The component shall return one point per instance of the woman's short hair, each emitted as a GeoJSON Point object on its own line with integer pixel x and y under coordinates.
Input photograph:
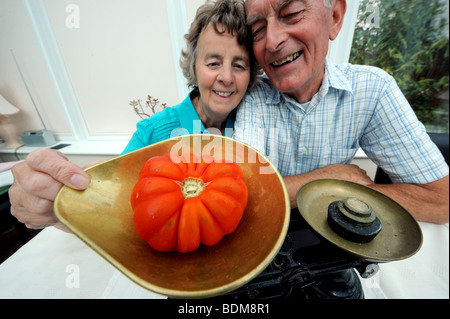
{"type": "Point", "coordinates": [230, 14]}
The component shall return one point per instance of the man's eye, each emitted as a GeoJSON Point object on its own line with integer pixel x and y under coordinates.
{"type": "Point", "coordinates": [257, 32]}
{"type": "Point", "coordinates": [292, 17]}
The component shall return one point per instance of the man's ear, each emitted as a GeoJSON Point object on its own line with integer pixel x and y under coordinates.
{"type": "Point", "coordinates": [338, 12]}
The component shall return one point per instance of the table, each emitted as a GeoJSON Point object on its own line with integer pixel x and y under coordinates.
{"type": "Point", "coordinates": [55, 264]}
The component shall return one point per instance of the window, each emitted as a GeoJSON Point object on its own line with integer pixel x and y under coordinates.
{"type": "Point", "coordinates": [409, 40]}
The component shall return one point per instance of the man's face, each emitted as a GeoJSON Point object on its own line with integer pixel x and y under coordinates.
{"type": "Point", "coordinates": [291, 39]}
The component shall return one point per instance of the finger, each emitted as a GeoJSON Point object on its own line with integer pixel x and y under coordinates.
{"type": "Point", "coordinates": [26, 202]}
{"type": "Point", "coordinates": [33, 220]}
{"type": "Point", "coordinates": [55, 164]}
{"type": "Point", "coordinates": [28, 182]}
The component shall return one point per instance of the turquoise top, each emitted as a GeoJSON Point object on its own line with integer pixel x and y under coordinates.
{"type": "Point", "coordinates": [178, 120]}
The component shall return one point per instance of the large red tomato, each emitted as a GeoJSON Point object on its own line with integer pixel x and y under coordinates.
{"type": "Point", "coordinates": [181, 201]}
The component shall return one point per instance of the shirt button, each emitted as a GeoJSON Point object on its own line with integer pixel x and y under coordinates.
{"type": "Point", "coordinates": [303, 149]}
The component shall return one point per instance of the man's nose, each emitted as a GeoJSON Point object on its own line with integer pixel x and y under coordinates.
{"type": "Point", "coordinates": [276, 35]}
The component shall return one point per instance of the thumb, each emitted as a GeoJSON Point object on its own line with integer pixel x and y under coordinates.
{"type": "Point", "coordinates": [56, 165]}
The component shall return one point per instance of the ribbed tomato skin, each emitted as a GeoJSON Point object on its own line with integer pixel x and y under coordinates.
{"type": "Point", "coordinates": [170, 222]}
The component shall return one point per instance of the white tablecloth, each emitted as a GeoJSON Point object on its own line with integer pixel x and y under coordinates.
{"type": "Point", "coordinates": [55, 264]}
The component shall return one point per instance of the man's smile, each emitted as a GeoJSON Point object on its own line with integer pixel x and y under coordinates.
{"type": "Point", "coordinates": [287, 59]}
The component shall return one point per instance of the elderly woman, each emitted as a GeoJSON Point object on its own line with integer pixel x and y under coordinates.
{"type": "Point", "coordinates": [219, 65]}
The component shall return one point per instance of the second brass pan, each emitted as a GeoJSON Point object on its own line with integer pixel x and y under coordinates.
{"type": "Point", "coordinates": [400, 237]}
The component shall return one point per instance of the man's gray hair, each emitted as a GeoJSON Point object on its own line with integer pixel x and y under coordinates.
{"type": "Point", "coordinates": [328, 3]}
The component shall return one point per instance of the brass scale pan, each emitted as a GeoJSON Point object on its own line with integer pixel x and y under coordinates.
{"type": "Point", "coordinates": [101, 217]}
{"type": "Point", "coordinates": [400, 236]}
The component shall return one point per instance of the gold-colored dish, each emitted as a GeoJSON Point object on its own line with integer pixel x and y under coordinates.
{"type": "Point", "coordinates": [101, 216]}
{"type": "Point", "coordinates": [400, 236]}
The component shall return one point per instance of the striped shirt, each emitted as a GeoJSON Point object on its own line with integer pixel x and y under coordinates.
{"type": "Point", "coordinates": [356, 107]}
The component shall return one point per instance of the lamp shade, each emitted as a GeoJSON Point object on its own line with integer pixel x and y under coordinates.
{"type": "Point", "coordinates": [8, 132]}
{"type": "Point", "coordinates": [7, 108]}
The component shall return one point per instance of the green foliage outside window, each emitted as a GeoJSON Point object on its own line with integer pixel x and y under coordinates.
{"type": "Point", "coordinates": [409, 40]}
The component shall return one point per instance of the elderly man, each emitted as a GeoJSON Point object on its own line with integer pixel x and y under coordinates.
{"type": "Point", "coordinates": [311, 116]}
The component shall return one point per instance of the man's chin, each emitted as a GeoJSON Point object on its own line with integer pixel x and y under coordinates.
{"type": "Point", "coordinates": [286, 85]}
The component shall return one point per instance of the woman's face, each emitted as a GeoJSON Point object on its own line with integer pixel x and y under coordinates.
{"type": "Point", "coordinates": [222, 71]}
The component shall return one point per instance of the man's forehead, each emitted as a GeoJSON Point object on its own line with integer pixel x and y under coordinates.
{"type": "Point", "coordinates": [277, 5]}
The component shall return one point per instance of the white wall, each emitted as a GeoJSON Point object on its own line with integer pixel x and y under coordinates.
{"type": "Point", "coordinates": [122, 50]}
{"type": "Point", "coordinates": [84, 60]}
{"type": "Point", "coordinates": [16, 34]}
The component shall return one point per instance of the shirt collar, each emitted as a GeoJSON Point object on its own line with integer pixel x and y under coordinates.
{"type": "Point", "coordinates": [336, 78]}
{"type": "Point", "coordinates": [333, 78]}
{"type": "Point", "coordinates": [189, 118]}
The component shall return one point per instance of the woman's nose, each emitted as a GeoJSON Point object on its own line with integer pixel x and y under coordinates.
{"type": "Point", "coordinates": [226, 76]}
